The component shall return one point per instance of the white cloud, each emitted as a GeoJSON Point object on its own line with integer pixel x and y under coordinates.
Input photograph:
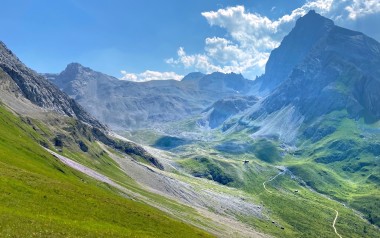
{"type": "Point", "coordinates": [251, 36]}
{"type": "Point", "coordinates": [149, 75]}
{"type": "Point", "coordinates": [362, 8]}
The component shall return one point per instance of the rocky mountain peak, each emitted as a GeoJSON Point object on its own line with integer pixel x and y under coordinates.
{"type": "Point", "coordinates": [193, 76]}
{"type": "Point", "coordinates": [308, 30]}
{"type": "Point", "coordinates": [73, 70]}
{"type": "Point", "coordinates": [314, 21]}
{"type": "Point", "coordinates": [75, 76]}
{"type": "Point", "coordinates": [74, 67]}
{"type": "Point", "coordinates": [38, 90]}
{"type": "Point", "coordinates": [320, 68]}
{"type": "Point", "coordinates": [8, 58]}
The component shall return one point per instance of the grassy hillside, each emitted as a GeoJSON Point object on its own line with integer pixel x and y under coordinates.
{"type": "Point", "coordinates": [293, 208]}
{"type": "Point", "coordinates": [40, 197]}
{"type": "Point", "coordinates": [343, 163]}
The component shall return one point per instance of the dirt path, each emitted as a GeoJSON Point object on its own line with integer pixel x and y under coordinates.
{"type": "Point", "coordinates": [271, 179]}
{"type": "Point", "coordinates": [333, 225]}
{"type": "Point", "coordinates": [336, 212]}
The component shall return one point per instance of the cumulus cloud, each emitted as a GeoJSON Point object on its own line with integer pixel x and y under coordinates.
{"type": "Point", "coordinates": [360, 8]}
{"type": "Point", "coordinates": [149, 75]}
{"type": "Point", "coordinates": [251, 36]}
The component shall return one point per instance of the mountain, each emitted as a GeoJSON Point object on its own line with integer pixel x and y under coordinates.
{"type": "Point", "coordinates": [31, 95]}
{"type": "Point", "coordinates": [24, 82]}
{"type": "Point", "coordinates": [45, 193]}
{"type": "Point", "coordinates": [315, 117]}
{"type": "Point", "coordinates": [320, 116]}
{"type": "Point", "coordinates": [331, 69]}
{"type": "Point", "coordinates": [133, 105]}
{"type": "Point", "coordinates": [236, 162]}
{"type": "Point", "coordinates": [75, 77]}
{"type": "Point", "coordinates": [193, 76]}
{"type": "Point", "coordinates": [294, 48]}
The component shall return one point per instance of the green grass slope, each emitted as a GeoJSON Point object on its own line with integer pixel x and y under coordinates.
{"type": "Point", "coordinates": [40, 197]}
{"type": "Point", "coordinates": [294, 210]}
{"type": "Point", "coordinates": [344, 163]}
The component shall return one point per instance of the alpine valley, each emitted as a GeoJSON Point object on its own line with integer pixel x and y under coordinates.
{"type": "Point", "coordinates": [293, 153]}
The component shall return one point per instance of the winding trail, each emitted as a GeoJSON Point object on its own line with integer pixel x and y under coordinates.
{"type": "Point", "coordinates": [336, 212]}
{"type": "Point", "coordinates": [271, 179]}
{"type": "Point", "coordinates": [333, 225]}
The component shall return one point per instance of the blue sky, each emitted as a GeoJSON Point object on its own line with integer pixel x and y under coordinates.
{"type": "Point", "coordinates": [150, 39]}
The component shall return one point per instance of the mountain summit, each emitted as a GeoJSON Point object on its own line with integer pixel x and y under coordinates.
{"type": "Point", "coordinates": [24, 82]}
{"type": "Point", "coordinates": [308, 30]}
{"type": "Point", "coordinates": [320, 68]}
{"type": "Point", "coordinates": [131, 105]}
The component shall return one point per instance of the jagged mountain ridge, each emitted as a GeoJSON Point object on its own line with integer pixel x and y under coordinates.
{"type": "Point", "coordinates": [32, 96]}
{"type": "Point", "coordinates": [38, 90]}
{"type": "Point", "coordinates": [131, 105]}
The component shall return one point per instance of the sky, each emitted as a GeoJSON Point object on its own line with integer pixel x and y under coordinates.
{"type": "Point", "coordinates": [153, 40]}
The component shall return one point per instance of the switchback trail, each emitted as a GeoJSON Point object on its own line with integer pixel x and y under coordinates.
{"type": "Point", "coordinates": [271, 179]}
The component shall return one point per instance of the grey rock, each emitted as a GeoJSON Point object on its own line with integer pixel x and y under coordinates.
{"type": "Point", "coordinates": [294, 48]}
{"type": "Point", "coordinates": [133, 105]}
{"type": "Point", "coordinates": [318, 68]}
{"type": "Point", "coordinates": [40, 91]}
{"type": "Point", "coordinates": [337, 69]}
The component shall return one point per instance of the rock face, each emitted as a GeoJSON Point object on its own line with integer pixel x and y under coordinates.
{"type": "Point", "coordinates": [319, 68]}
{"type": "Point", "coordinates": [193, 76]}
{"type": "Point", "coordinates": [132, 105]}
{"type": "Point", "coordinates": [340, 71]}
{"type": "Point", "coordinates": [308, 31]}
{"type": "Point", "coordinates": [330, 68]}
{"type": "Point", "coordinates": [38, 90]}
{"type": "Point", "coordinates": [76, 77]}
